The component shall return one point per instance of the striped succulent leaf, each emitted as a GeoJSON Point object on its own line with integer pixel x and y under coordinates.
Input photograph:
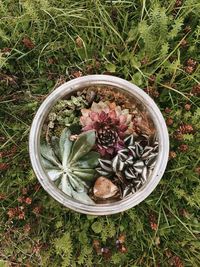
{"type": "Point", "coordinates": [133, 165]}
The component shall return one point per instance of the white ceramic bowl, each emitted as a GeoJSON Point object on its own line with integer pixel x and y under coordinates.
{"type": "Point", "coordinates": [70, 87]}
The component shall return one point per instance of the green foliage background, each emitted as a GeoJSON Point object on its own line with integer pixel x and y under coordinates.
{"type": "Point", "coordinates": [133, 40]}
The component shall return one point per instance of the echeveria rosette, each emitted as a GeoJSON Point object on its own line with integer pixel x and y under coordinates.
{"type": "Point", "coordinates": [111, 124]}
{"type": "Point", "coordinates": [71, 165]}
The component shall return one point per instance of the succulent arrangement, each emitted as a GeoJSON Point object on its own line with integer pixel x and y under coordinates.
{"type": "Point", "coordinates": [99, 147]}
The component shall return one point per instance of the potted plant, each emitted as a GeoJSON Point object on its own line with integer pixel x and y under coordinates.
{"type": "Point", "coordinates": [99, 144]}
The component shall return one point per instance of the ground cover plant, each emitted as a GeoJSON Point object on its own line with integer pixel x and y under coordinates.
{"type": "Point", "coordinates": [152, 44]}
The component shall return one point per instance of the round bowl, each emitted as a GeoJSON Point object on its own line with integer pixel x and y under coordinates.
{"type": "Point", "coordinates": [69, 88]}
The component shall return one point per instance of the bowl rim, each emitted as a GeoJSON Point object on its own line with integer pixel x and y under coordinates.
{"type": "Point", "coordinates": [74, 85]}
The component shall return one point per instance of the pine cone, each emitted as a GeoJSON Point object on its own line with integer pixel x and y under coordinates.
{"type": "Point", "coordinates": [178, 136]}
{"type": "Point", "coordinates": [189, 69]}
{"type": "Point", "coordinates": [153, 92]}
{"type": "Point", "coordinates": [196, 90]}
{"type": "Point", "coordinates": [178, 3]}
{"type": "Point", "coordinates": [152, 79]}
{"type": "Point", "coordinates": [169, 121]}
{"type": "Point", "coordinates": [191, 65]}
{"type": "Point", "coordinates": [187, 107]}
{"type": "Point", "coordinates": [191, 62]}
{"type": "Point", "coordinates": [172, 155]}
{"type": "Point", "coordinates": [187, 29]}
{"type": "Point", "coordinates": [183, 43]}
{"type": "Point", "coordinates": [197, 170]}
{"type": "Point", "coordinates": [167, 110]}
{"type": "Point", "coordinates": [186, 129]}
{"type": "Point", "coordinates": [183, 147]}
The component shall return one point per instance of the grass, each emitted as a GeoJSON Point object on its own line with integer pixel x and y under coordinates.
{"type": "Point", "coordinates": [44, 43]}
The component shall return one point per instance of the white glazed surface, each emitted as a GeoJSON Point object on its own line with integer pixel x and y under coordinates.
{"type": "Point", "coordinates": [98, 209]}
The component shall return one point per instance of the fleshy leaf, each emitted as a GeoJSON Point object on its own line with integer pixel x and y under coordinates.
{"type": "Point", "coordinates": [82, 197]}
{"type": "Point", "coordinates": [86, 174]}
{"type": "Point", "coordinates": [77, 185]}
{"type": "Point", "coordinates": [56, 147]}
{"type": "Point", "coordinates": [82, 146]}
{"type": "Point", "coordinates": [48, 164]}
{"type": "Point", "coordinates": [102, 172]}
{"type": "Point", "coordinates": [54, 174]}
{"type": "Point", "coordinates": [88, 161]}
{"type": "Point", "coordinates": [84, 183]}
{"type": "Point", "coordinates": [47, 153]}
{"type": "Point", "coordinates": [65, 185]}
{"type": "Point", "coordinates": [65, 146]}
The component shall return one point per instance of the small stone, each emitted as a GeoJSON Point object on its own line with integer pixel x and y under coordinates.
{"type": "Point", "coordinates": [104, 188]}
{"type": "Point", "coordinates": [73, 137]}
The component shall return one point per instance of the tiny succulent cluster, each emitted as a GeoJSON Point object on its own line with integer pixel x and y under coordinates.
{"type": "Point", "coordinates": [106, 150]}
{"type": "Point", "coordinates": [65, 112]}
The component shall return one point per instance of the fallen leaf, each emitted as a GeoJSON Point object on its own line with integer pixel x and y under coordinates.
{"type": "Point", "coordinates": [122, 238]}
{"type": "Point", "coordinates": [96, 245]}
{"type": "Point", "coordinates": [106, 253]}
{"type": "Point", "coordinates": [157, 241]}
{"type": "Point", "coordinates": [79, 41]}
{"type": "Point", "coordinates": [4, 166]}
{"type": "Point", "coordinates": [28, 43]}
{"type": "Point", "coordinates": [76, 73]}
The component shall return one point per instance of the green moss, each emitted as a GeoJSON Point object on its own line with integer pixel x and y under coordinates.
{"type": "Point", "coordinates": [133, 40]}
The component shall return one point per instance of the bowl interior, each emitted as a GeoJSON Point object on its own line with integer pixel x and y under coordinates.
{"type": "Point", "coordinates": [137, 97]}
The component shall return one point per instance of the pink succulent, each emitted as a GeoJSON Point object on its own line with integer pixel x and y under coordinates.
{"type": "Point", "coordinates": [111, 124]}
